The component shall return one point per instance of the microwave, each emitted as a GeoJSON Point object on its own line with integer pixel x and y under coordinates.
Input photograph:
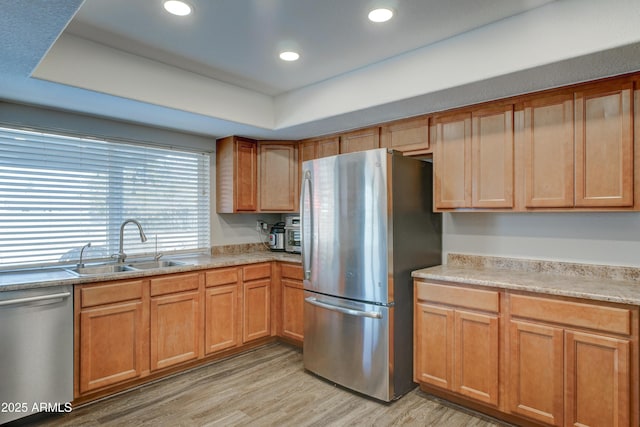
{"type": "Point", "coordinates": [292, 234]}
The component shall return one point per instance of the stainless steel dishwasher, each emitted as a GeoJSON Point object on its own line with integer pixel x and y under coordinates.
{"type": "Point", "coordinates": [36, 351]}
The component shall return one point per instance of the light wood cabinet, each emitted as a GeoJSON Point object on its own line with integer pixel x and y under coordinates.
{"type": "Point", "coordinates": [248, 171]}
{"type": "Point", "coordinates": [578, 149]}
{"type": "Point", "coordinates": [410, 136]}
{"type": "Point", "coordinates": [292, 302]}
{"type": "Point", "coordinates": [604, 146]}
{"type": "Point", "coordinates": [111, 335]}
{"type": "Point", "coordinates": [571, 361]}
{"type": "Point", "coordinates": [536, 380]}
{"type": "Point", "coordinates": [473, 160]}
{"type": "Point", "coordinates": [360, 140]}
{"type": "Point", "coordinates": [278, 165]}
{"type": "Point", "coordinates": [256, 297]}
{"type": "Point", "coordinates": [457, 346]}
{"type": "Point", "coordinates": [317, 148]}
{"type": "Point", "coordinates": [175, 326]}
{"type": "Point", "coordinates": [131, 331]}
{"type": "Point", "coordinates": [492, 157]}
{"type": "Point", "coordinates": [236, 175]}
{"type": "Point", "coordinates": [565, 362]}
{"type": "Point", "coordinates": [452, 162]}
{"type": "Point", "coordinates": [566, 149]}
{"type": "Point", "coordinates": [548, 145]}
{"type": "Point", "coordinates": [223, 307]}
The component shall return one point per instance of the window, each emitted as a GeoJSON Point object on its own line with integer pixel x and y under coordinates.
{"type": "Point", "coordinates": [58, 193]}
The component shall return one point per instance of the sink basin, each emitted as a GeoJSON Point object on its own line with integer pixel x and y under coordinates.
{"type": "Point", "coordinates": [148, 265]}
{"type": "Point", "coordinates": [98, 269]}
{"type": "Point", "coordinates": [109, 268]}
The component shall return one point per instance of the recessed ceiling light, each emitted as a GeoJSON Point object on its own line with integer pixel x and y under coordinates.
{"type": "Point", "coordinates": [289, 55]}
{"type": "Point", "coordinates": [176, 7]}
{"type": "Point", "coordinates": [380, 15]}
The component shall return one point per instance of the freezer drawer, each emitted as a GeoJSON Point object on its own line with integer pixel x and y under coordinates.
{"type": "Point", "coordinates": [347, 343]}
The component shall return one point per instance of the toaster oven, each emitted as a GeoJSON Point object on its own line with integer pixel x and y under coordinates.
{"type": "Point", "coordinates": [292, 234]}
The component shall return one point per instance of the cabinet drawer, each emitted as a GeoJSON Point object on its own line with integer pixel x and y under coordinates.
{"type": "Point", "coordinates": [175, 283]}
{"type": "Point", "coordinates": [221, 276]}
{"type": "Point", "coordinates": [256, 271]}
{"type": "Point", "coordinates": [458, 296]}
{"type": "Point", "coordinates": [110, 293]}
{"type": "Point", "coordinates": [291, 271]}
{"type": "Point", "coordinates": [608, 319]}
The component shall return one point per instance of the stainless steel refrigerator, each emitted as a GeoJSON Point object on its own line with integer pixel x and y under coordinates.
{"type": "Point", "coordinates": [367, 222]}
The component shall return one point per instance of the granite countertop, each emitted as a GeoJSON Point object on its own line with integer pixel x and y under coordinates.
{"type": "Point", "coordinates": [38, 278]}
{"type": "Point", "coordinates": [587, 281]}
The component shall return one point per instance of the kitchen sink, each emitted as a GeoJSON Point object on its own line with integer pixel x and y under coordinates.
{"type": "Point", "coordinates": [109, 268]}
{"type": "Point", "coordinates": [98, 269]}
{"type": "Point", "coordinates": [147, 265]}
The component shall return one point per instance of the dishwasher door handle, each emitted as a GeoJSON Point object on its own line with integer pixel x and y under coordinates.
{"type": "Point", "coordinates": [16, 301]}
{"type": "Point", "coordinates": [344, 310]}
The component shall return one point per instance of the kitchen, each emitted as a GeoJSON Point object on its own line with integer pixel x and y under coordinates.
{"type": "Point", "coordinates": [604, 43]}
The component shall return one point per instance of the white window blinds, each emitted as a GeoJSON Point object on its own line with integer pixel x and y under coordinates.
{"type": "Point", "coordinates": [58, 193]}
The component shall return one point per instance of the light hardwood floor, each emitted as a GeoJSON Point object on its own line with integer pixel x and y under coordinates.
{"type": "Point", "coordinates": [265, 387]}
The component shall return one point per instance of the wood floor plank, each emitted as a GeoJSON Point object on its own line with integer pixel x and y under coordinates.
{"type": "Point", "coordinates": [265, 387]}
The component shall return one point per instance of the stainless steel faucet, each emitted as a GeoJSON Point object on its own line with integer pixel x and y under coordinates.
{"type": "Point", "coordinates": [81, 264]}
{"type": "Point", "coordinates": [121, 255]}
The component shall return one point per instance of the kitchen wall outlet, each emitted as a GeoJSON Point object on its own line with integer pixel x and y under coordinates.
{"type": "Point", "coordinates": [265, 226]}
{"type": "Point", "coordinates": [258, 225]}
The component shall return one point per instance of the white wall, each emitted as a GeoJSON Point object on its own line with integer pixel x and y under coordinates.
{"type": "Point", "coordinates": [586, 237]}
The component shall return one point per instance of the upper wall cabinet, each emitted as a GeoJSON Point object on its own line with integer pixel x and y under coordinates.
{"type": "Point", "coordinates": [604, 146]}
{"type": "Point", "coordinates": [317, 148]}
{"type": "Point", "coordinates": [473, 159]}
{"type": "Point", "coordinates": [236, 175]}
{"type": "Point", "coordinates": [452, 162]}
{"type": "Point", "coordinates": [278, 164]}
{"type": "Point", "coordinates": [411, 136]}
{"type": "Point", "coordinates": [547, 140]}
{"type": "Point", "coordinates": [566, 149]}
{"type": "Point", "coordinates": [492, 157]}
{"type": "Point", "coordinates": [239, 163]}
{"type": "Point", "coordinates": [360, 140]}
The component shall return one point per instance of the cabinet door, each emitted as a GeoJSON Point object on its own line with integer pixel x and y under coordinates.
{"type": "Point", "coordinates": [548, 152]}
{"type": "Point", "coordinates": [433, 345]}
{"type": "Point", "coordinates": [292, 309]}
{"type": "Point", "coordinates": [175, 329]}
{"type": "Point", "coordinates": [366, 139]}
{"type": "Point", "coordinates": [278, 177]}
{"type": "Point", "coordinates": [222, 318]}
{"type": "Point", "coordinates": [476, 356]}
{"type": "Point", "coordinates": [246, 176]}
{"type": "Point", "coordinates": [536, 372]}
{"type": "Point", "coordinates": [604, 147]}
{"type": "Point", "coordinates": [597, 380]}
{"type": "Point", "coordinates": [492, 157]}
{"type": "Point", "coordinates": [452, 162]}
{"type": "Point", "coordinates": [328, 147]}
{"type": "Point", "coordinates": [409, 136]}
{"type": "Point", "coordinates": [256, 309]}
{"type": "Point", "coordinates": [307, 151]}
{"type": "Point", "coordinates": [111, 345]}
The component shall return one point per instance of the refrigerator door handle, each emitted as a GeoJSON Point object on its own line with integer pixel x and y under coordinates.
{"type": "Point", "coordinates": [307, 232]}
{"type": "Point", "coordinates": [343, 310]}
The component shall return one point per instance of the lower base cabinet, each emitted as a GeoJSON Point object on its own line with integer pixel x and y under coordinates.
{"type": "Point", "coordinates": [256, 297]}
{"type": "Point", "coordinates": [557, 361]}
{"type": "Point", "coordinates": [175, 320]}
{"type": "Point", "coordinates": [457, 347]}
{"type": "Point", "coordinates": [128, 330]}
{"type": "Point", "coordinates": [110, 335]}
{"type": "Point", "coordinates": [292, 303]}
